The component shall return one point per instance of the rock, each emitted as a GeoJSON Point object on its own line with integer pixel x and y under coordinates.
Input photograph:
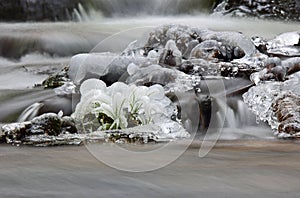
{"type": "Point", "coordinates": [187, 67]}
{"type": "Point", "coordinates": [61, 139]}
{"type": "Point", "coordinates": [287, 111]}
{"type": "Point", "coordinates": [171, 56]}
{"type": "Point", "coordinates": [189, 49]}
{"type": "Point", "coordinates": [292, 65]}
{"type": "Point", "coordinates": [82, 66]}
{"type": "Point", "coordinates": [49, 124]}
{"type": "Point", "coordinates": [211, 49]}
{"type": "Point", "coordinates": [205, 104]}
{"type": "Point", "coordinates": [293, 69]}
{"type": "Point", "coordinates": [228, 38]}
{"type": "Point", "coordinates": [153, 74]}
{"type": "Point", "coordinates": [68, 125]}
{"type": "Point", "coordinates": [277, 69]}
{"type": "Point", "coordinates": [286, 39]}
{"type": "Point", "coordinates": [208, 49]}
{"type": "Point", "coordinates": [285, 45]}
{"type": "Point", "coordinates": [279, 73]}
{"type": "Point", "coordinates": [108, 67]}
{"type": "Point", "coordinates": [274, 70]}
{"type": "Point", "coordinates": [260, 44]}
{"type": "Point", "coordinates": [181, 35]}
{"type": "Point", "coordinates": [269, 9]}
{"type": "Point", "coordinates": [237, 70]}
{"type": "Point", "coordinates": [117, 69]}
{"type": "Point", "coordinates": [15, 132]}
{"type": "Point", "coordinates": [58, 79]}
{"type": "Point", "coordinates": [277, 103]}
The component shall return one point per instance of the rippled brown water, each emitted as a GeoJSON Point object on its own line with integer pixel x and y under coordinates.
{"type": "Point", "coordinates": [231, 169]}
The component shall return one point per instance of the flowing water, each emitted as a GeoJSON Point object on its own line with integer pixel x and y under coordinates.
{"type": "Point", "coordinates": [247, 163]}
{"type": "Point", "coordinates": [30, 52]}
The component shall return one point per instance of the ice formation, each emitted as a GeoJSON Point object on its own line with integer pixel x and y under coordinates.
{"type": "Point", "coordinates": [120, 106]}
{"type": "Point", "coordinates": [265, 100]}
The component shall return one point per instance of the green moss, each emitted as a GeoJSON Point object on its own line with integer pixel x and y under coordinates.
{"type": "Point", "coordinates": [58, 79]}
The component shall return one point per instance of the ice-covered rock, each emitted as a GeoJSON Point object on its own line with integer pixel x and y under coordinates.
{"type": "Point", "coordinates": [85, 66]}
{"type": "Point", "coordinates": [184, 35]}
{"type": "Point", "coordinates": [276, 69]}
{"type": "Point", "coordinates": [285, 39]}
{"type": "Point", "coordinates": [212, 49]}
{"type": "Point", "coordinates": [286, 44]}
{"type": "Point", "coordinates": [277, 104]}
{"type": "Point", "coordinates": [181, 35]}
{"type": "Point", "coordinates": [233, 39]}
{"type": "Point", "coordinates": [106, 66]}
{"type": "Point", "coordinates": [287, 111]}
{"type": "Point", "coordinates": [153, 74]}
{"type": "Point", "coordinates": [171, 55]}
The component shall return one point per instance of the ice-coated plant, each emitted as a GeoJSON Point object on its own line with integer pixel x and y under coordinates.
{"type": "Point", "coordinates": [120, 105]}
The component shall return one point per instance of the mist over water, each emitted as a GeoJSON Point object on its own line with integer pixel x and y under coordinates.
{"type": "Point", "coordinates": [153, 7]}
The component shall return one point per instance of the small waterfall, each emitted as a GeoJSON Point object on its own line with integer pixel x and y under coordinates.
{"type": "Point", "coordinates": [80, 14]}
{"type": "Point", "coordinates": [238, 115]}
{"type": "Point", "coordinates": [30, 112]}
{"type": "Point", "coordinates": [235, 111]}
{"type": "Point", "coordinates": [221, 108]}
{"type": "Point", "coordinates": [245, 116]}
{"type": "Point", "coordinates": [231, 120]}
{"type": "Point", "coordinates": [236, 121]}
